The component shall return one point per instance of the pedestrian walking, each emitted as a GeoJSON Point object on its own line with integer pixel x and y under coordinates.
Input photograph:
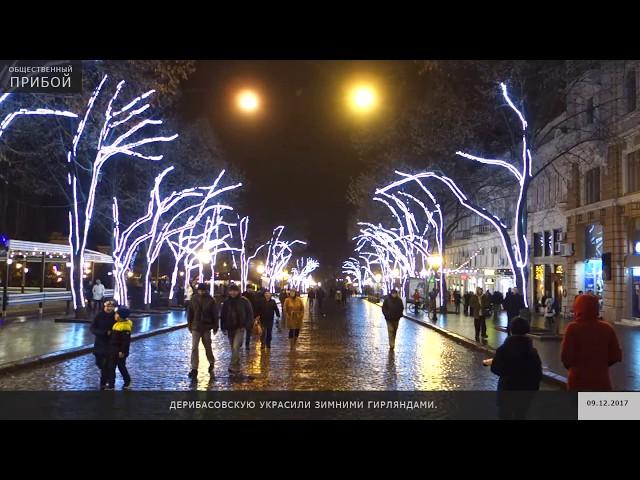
{"type": "Point", "coordinates": [98, 295]}
{"type": "Point", "coordinates": [589, 347]}
{"type": "Point", "coordinates": [311, 295]}
{"type": "Point", "coordinates": [101, 328]}
{"type": "Point", "coordinates": [338, 296]}
{"type": "Point", "coordinates": [120, 339]}
{"type": "Point", "coordinates": [467, 300]}
{"type": "Point", "coordinates": [268, 309]}
{"type": "Point", "coordinates": [320, 294]}
{"type": "Point", "coordinates": [496, 301]}
{"type": "Point", "coordinates": [188, 294]}
{"type": "Point", "coordinates": [256, 299]}
{"type": "Point", "coordinates": [513, 304]}
{"type": "Point", "coordinates": [392, 309]}
{"type": "Point", "coordinates": [295, 313]}
{"type": "Point", "coordinates": [550, 315]}
{"type": "Point", "coordinates": [416, 300]}
{"type": "Point", "coordinates": [236, 317]}
{"type": "Point", "coordinates": [284, 294]}
{"type": "Point", "coordinates": [202, 317]}
{"type": "Point", "coordinates": [479, 308]}
{"type": "Point", "coordinates": [456, 300]}
{"type": "Point", "coordinates": [518, 365]}
{"type": "Point", "coordinates": [433, 295]}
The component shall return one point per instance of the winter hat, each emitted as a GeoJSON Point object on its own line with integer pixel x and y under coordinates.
{"type": "Point", "coordinates": [519, 326]}
{"type": "Point", "coordinates": [202, 286]}
{"type": "Point", "coordinates": [123, 312]}
{"type": "Point", "coordinates": [234, 287]}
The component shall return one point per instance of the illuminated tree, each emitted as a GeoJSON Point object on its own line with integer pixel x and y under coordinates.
{"type": "Point", "coordinates": [278, 255]}
{"type": "Point", "coordinates": [165, 219]}
{"type": "Point", "coordinates": [85, 164]}
{"type": "Point", "coordinates": [516, 248]}
{"type": "Point", "coordinates": [245, 260]}
{"type": "Point", "coordinates": [301, 272]}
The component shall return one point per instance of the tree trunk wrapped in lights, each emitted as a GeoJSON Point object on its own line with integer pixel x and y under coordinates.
{"type": "Point", "coordinates": [245, 260]}
{"type": "Point", "coordinates": [85, 164]}
{"type": "Point", "coordinates": [516, 249]}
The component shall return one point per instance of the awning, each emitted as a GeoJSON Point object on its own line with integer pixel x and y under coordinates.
{"type": "Point", "coordinates": [36, 249]}
{"type": "Point", "coordinates": [632, 261]}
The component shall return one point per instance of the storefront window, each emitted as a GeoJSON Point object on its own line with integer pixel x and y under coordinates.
{"type": "Point", "coordinates": [538, 283]}
{"type": "Point", "coordinates": [557, 239]}
{"type": "Point", "coordinates": [538, 244]}
{"type": "Point", "coordinates": [548, 244]}
{"type": "Point", "coordinates": [593, 237]}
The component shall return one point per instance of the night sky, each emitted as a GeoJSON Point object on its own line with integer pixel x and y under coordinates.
{"type": "Point", "coordinates": [296, 154]}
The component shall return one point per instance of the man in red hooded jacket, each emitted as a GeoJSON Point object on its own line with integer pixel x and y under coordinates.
{"type": "Point", "coordinates": [590, 346]}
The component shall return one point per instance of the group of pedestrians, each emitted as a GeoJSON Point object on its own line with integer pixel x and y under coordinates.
{"type": "Point", "coordinates": [238, 317]}
{"type": "Point", "coordinates": [316, 296]}
{"type": "Point", "coordinates": [589, 348]}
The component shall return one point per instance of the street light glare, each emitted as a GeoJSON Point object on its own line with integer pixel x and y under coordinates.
{"type": "Point", "coordinates": [363, 98]}
{"type": "Point", "coordinates": [204, 256]}
{"type": "Point", "coordinates": [248, 101]}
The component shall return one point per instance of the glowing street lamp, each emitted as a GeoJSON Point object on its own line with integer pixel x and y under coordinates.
{"type": "Point", "coordinates": [204, 256]}
{"type": "Point", "coordinates": [260, 269]}
{"type": "Point", "coordinates": [378, 278]}
{"type": "Point", "coordinates": [434, 261]}
{"type": "Point", "coordinates": [363, 98]}
{"type": "Point", "coordinates": [248, 101]}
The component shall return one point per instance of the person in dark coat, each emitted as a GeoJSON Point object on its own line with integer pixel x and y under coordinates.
{"type": "Point", "coordinates": [518, 365]}
{"type": "Point", "coordinates": [202, 317]}
{"type": "Point", "coordinates": [456, 300]}
{"type": "Point", "coordinates": [268, 309]}
{"type": "Point", "coordinates": [101, 328]}
{"type": "Point", "coordinates": [479, 307]}
{"type": "Point", "coordinates": [496, 300]}
{"type": "Point", "coordinates": [516, 361]}
{"type": "Point", "coordinates": [320, 294]}
{"type": "Point", "coordinates": [392, 309]}
{"type": "Point", "coordinates": [513, 304]}
{"type": "Point", "coordinates": [589, 347]}
{"type": "Point", "coordinates": [256, 298]}
{"type": "Point", "coordinates": [236, 316]}
{"type": "Point", "coordinates": [119, 342]}
{"type": "Point", "coordinates": [467, 300]}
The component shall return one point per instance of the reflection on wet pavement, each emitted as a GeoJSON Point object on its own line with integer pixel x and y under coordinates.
{"type": "Point", "coordinates": [345, 350]}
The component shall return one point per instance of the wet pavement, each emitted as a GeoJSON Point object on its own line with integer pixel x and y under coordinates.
{"type": "Point", "coordinates": [20, 339]}
{"type": "Point", "coordinates": [345, 350]}
{"type": "Point", "coordinates": [624, 376]}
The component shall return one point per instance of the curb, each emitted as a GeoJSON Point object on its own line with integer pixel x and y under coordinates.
{"type": "Point", "coordinates": [547, 375]}
{"type": "Point", "coordinates": [74, 352]}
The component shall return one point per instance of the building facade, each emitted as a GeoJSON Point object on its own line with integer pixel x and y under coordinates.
{"type": "Point", "coordinates": [583, 205]}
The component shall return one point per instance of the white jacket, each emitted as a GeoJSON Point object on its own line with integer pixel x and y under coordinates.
{"type": "Point", "coordinates": [98, 291]}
